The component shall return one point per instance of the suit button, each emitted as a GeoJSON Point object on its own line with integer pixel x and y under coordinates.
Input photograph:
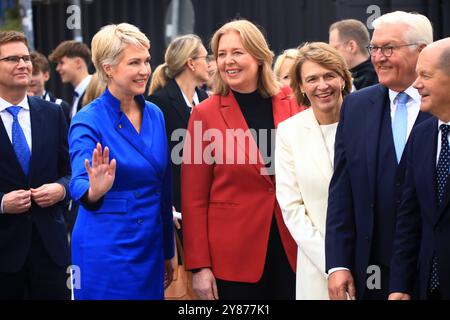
{"type": "Point", "coordinates": [29, 216]}
{"type": "Point", "coordinates": [136, 194]}
{"type": "Point", "coordinates": [398, 202]}
{"type": "Point", "coordinates": [120, 126]}
{"type": "Point", "coordinates": [372, 205]}
{"type": "Point", "coordinates": [271, 190]}
{"type": "Point", "coordinates": [398, 184]}
{"type": "Point", "coordinates": [367, 238]}
{"type": "Point", "coordinates": [140, 221]}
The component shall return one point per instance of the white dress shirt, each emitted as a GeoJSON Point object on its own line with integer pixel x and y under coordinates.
{"type": "Point", "coordinates": [439, 145]}
{"type": "Point", "coordinates": [80, 89]}
{"type": "Point", "coordinates": [194, 101]}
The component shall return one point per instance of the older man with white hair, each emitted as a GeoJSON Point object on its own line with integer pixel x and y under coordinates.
{"type": "Point", "coordinates": [369, 161]}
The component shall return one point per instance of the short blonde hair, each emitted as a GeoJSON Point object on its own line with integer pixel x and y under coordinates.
{"type": "Point", "coordinates": [109, 43]}
{"type": "Point", "coordinates": [287, 54]}
{"type": "Point", "coordinates": [177, 54]}
{"type": "Point", "coordinates": [324, 55]}
{"type": "Point", "coordinates": [419, 31]}
{"type": "Point", "coordinates": [256, 45]}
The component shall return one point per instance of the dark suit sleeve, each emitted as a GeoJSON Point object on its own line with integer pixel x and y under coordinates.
{"type": "Point", "coordinates": [407, 233]}
{"type": "Point", "coordinates": [64, 171]}
{"type": "Point", "coordinates": [340, 225]}
{"type": "Point", "coordinates": [66, 108]}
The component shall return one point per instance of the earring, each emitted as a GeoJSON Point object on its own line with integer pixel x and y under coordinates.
{"type": "Point", "coordinates": [304, 95]}
{"type": "Point", "coordinates": [343, 87]}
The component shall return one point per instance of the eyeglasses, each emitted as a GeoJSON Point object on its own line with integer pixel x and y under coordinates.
{"type": "Point", "coordinates": [387, 51]}
{"type": "Point", "coordinates": [202, 57]}
{"type": "Point", "coordinates": [16, 59]}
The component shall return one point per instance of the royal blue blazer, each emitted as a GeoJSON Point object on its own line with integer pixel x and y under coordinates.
{"type": "Point", "coordinates": [120, 243]}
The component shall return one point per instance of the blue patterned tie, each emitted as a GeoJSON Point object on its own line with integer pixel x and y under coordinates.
{"type": "Point", "coordinates": [400, 124]}
{"type": "Point", "coordinates": [442, 171]}
{"type": "Point", "coordinates": [19, 142]}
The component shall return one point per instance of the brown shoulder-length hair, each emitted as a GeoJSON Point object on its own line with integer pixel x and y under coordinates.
{"type": "Point", "coordinates": [256, 45]}
{"type": "Point", "coordinates": [324, 55]}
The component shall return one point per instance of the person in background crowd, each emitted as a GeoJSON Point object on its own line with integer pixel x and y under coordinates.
{"type": "Point", "coordinates": [283, 64]}
{"type": "Point", "coordinates": [40, 76]}
{"type": "Point", "coordinates": [123, 237]}
{"type": "Point", "coordinates": [304, 159]}
{"type": "Point", "coordinates": [174, 89]}
{"type": "Point", "coordinates": [350, 37]}
{"type": "Point", "coordinates": [235, 239]}
{"type": "Point", "coordinates": [72, 60]}
{"type": "Point", "coordinates": [34, 187]}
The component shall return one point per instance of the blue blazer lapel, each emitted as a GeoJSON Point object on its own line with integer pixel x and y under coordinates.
{"type": "Point", "coordinates": [142, 141]}
{"type": "Point", "coordinates": [374, 116]}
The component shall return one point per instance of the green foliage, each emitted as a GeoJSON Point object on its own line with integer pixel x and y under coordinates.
{"type": "Point", "coordinates": [12, 20]}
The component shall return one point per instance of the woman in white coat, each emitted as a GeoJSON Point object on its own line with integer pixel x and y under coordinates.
{"type": "Point", "coordinates": [304, 159]}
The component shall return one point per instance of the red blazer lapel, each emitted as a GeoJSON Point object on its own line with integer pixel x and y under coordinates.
{"type": "Point", "coordinates": [234, 119]}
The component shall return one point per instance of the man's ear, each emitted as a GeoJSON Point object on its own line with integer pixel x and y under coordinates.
{"type": "Point", "coordinates": [79, 62]}
{"type": "Point", "coordinates": [421, 46]}
{"type": "Point", "coordinates": [46, 76]}
{"type": "Point", "coordinates": [353, 47]}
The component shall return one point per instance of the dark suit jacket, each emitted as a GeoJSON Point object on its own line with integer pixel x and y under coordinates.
{"type": "Point", "coordinates": [49, 164]}
{"type": "Point", "coordinates": [176, 115]}
{"type": "Point", "coordinates": [355, 194]}
{"type": "Point", "coordinates": [64, 105]}
{"type": "Point", "coordinates": [423, 227]}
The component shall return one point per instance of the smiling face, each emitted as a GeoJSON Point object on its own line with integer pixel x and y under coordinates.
{"type": "Point", "coordinates": [396, 72]}
{"type": "Point", "coordinates": [129, 77]}
{"type": "Point", "coordinates": [322, 86]}
{"type": "Point", "coordinates": [68, 69]}
{"type": "Point", "coordinates": [237, 67]}
{"type": "Point", "coordinates": [14, 75]}
{"type": "Point", "coordinates": [433, 85]}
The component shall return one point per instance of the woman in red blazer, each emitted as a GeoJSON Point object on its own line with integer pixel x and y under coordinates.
{"type": "Point", "coordinates": [235, 239]}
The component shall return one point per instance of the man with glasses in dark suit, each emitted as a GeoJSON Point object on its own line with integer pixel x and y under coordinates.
{"type": "Point", "coordinates": [35, 173]}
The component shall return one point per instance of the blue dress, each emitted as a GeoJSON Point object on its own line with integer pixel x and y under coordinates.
{"type": "Point", "coordinates": [120, 244]}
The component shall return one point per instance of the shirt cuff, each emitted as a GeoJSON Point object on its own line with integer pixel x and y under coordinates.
{"type": "Point", "coordinates": [1, 208]}
{"type": "Point", "coordinates": [337, 269]}
{"type": "Point", "coordinates": [65, 193]}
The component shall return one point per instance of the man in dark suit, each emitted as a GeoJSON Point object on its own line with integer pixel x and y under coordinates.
{"type": "Point", "coordinates": [35, 172]}
{"type": "Point", "coordinates": [369, 161]}
{"type": "Point", "coordinates": [422, 241]}
{"type": "Point", "coordinates": [176, 115]}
